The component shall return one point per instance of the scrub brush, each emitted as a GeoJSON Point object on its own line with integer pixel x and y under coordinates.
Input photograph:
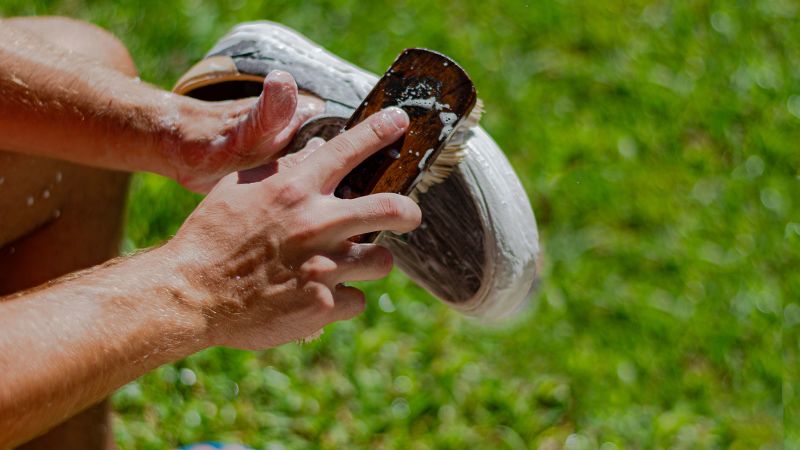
{"type": "Point", "coordinates": [442, 107]}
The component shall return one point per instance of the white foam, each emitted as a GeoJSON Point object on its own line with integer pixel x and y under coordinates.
{"type": "Point", "coordinates": [424, 159]}
{"type": "Point", "coordinates": [448, 120]}
{"type": "Point", "coordinates": [427, 103]}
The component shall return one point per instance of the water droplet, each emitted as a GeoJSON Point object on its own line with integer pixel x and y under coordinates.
{"type": "Point", "coordinates": [385, 303]}
{"type": "Point", "coordinates": [188, 377]}
{"type": "Point", "coordinates": [59, 176]}
{"type": "Point", "coordinates": [403, 384]}
{"type": "Point", "coordinates": [57, 214]}
{"type": "Point", "coordinates": [46, 193]}
{"type": "Point", "coordinates": [400, 408]}
{"type": "Point", "coordinates": [754, 166]}
{"type": "Point", "coordinates": [192, 419]}
{"type": "Point", "coordinates": [29, 201]}
{"type": "Point", "coordinates": [2, 179]}
{"type": "Point", "coordinates": [446, 64]}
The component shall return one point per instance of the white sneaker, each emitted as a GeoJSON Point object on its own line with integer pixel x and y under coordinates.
{"type": "Point", "coordinates": [477, 247]}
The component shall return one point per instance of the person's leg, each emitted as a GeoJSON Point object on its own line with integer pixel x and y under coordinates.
{"type": "Point", "coordinates": [60, 217]}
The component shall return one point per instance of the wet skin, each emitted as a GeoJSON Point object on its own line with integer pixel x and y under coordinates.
{"type": "Point", "coordinates": [258, 264]}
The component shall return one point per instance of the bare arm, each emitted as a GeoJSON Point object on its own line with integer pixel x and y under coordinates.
{"type": "Point", "coordinates": [64, 105]}
{"type": "Point", "coordinates": [259, 263]}
{"type": "Point", "coordinates": [66, 345]}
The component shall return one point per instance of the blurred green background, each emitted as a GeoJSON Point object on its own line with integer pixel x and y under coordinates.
{"type": "Point", "coordinates": [658, 142]}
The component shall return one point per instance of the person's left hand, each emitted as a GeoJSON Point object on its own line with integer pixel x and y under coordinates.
{"type": "Point", "coordinates": [213, 139]}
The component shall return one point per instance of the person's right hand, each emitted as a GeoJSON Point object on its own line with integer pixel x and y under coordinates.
{"type": "Point", "coordinates": [265, 259]}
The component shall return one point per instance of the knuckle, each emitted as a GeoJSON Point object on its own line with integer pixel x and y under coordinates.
{"type": "Point", "coordinates": [290, 192]}
{"type": "Point", "coordinates": [306, 226]}
{"type": "Point", "coordinates": [345, 148]}
{"type": "Point", "coordinates": [383, 259]}
{"type": "Point", "coordinates": [325, 301]}
{"type": "Point", "coordinates": [317, 267]}
{"type": "Point", "coordinates": [389, 207]}
{"type": "Point", "coordinates": [302, 235]}
{"type": "Point", "coordinates": [400, 209]}
{"type": "Point", "coordinates": [321, 296]}
{"type": "Point", "coordinates": [377, 130]}
{"type": "Point", "coordinates": [382, 126]}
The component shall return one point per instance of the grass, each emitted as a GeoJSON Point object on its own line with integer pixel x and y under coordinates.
{"type": "Point", "coordinates": [658, 144]}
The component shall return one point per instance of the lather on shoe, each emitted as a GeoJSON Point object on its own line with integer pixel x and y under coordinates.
{"type": "Point", "coordinates": [477, 247]}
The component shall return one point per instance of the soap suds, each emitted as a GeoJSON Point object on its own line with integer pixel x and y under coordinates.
{"type": "Point", "coordinates": [448, 120]}
{"type": "Point", "coordinates": [424, 159]}
{"type": "Point", "coordinates": [427, 103]}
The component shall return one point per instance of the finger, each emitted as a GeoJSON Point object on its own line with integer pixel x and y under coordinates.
{"type": "Point", "coordinates": [343, 153]}
{"type": "Point", "coordinates": [307, 107]}
{"type": "Point", "coordinates": [348, 302]}
{"type": "Point", "coordinates": [362, 262]}
{"type": "Point", "coordinates": [376, 212]}
{"type": "Point", "coordinates": [271, 113]}
{"type": "Point", "coordinates": [277, 103]}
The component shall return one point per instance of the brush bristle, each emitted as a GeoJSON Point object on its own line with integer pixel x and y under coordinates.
{"type": "Point", "coordinates": [453, 153]}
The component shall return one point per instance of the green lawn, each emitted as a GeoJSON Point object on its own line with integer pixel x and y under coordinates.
{"type": "Point", "coordinates": [658, 142]}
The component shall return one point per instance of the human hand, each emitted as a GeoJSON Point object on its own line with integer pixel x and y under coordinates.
{"type": "Point", "coordinates": [213, 139]}
{"type": "Point", "coordinates": [266, 252]}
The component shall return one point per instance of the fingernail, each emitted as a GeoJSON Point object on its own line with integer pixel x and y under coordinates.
{"type": "Point", "coordinates": [278, 75]}
{"type": "Point", "coordinates": [396, 117]}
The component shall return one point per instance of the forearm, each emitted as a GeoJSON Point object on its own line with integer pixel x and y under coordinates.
{"type": "Point", "coordinates": [64, 105]}
{"type": "Point", "coordinates": [67, 345]}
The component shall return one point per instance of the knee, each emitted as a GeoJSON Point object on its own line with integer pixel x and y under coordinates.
{"type": "Point", "coordinates": [81, 37]}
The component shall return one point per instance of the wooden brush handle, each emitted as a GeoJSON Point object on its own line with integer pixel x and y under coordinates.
{"type": "Point", "coordinates": [436, 94]}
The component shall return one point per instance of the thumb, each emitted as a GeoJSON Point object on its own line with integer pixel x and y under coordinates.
{"type": "Point", "coordinates": [273, 111]}
{"type": "Point", "coordinates": [277, 102]}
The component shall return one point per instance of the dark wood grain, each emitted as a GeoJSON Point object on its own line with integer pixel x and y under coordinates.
{"type": "Point", "coordinates": [436, 94]}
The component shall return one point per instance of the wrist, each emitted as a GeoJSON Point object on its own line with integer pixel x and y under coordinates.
{"type": "Point", "coordinates": [172, 112]}
{"type": "Point", "coordinates": [192, 132]}
{"type": "Point", "coordinates": [185, 303]}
